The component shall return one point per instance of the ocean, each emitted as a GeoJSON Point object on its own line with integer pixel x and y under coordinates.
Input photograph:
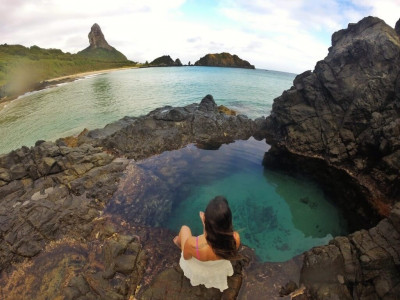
{"type": "Point", "coordinates": [98, 100]}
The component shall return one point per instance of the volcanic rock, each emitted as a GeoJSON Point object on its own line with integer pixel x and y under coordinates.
{"type": "Point", "coordinates": [363, 265]}
{"type": "Point", "coordinates": [170, 128]}
{"type": "Point", "coordinates": [99, 48]}
{"type": "Point", "coordinates": [96, 38]}
{"type": "Point", "coordinates": [340, 124]}
{"type": "Point", "coordinates": [345, 115]}
{"type": "Point", "coordinates": [223, 60]}
{"type": "Point", "coordinates": [165, 61]}
{"type": "Point", "coordinates": [53, 199]}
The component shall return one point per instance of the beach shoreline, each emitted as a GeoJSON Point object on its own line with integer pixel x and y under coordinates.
{"type": "Point", "coordinates": [48, 83]}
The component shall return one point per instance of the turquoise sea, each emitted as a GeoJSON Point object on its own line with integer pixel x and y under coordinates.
{"type": "Point", "coordinates": [277, 215]}
{"type": "Point", "coordinates": [98, 100]}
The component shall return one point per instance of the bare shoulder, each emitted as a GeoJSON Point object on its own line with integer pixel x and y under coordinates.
{"type": "Point", "coordinates": [236, 236]}
{"type": "Point", "coordinates": [189, 247]}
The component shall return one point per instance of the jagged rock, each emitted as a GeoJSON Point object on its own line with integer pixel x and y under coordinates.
{"type": "Point", "coordinates": [346, 114]}
{"type": "Point", "coordinates": [170, 128]}
{"type": "Point", "coordinates": [340, 125]}
{"type": "Point", "coordinates": [397, 27]}
{"type": "Point", "coordinates": [99, 48]}
{"type": "Point", "coordinates": [96, 38]}
{"type": "Point", "coordinates": [288, 288]}
{"type": "Point", "coordinates": [364, 265]}
{"type": "Point", "coordinates": [108, 265]}
{"type": "Point", "coordinates": [223, 60]}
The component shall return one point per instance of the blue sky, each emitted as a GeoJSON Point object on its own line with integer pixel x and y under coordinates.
{"type": "Point", "coordinates": [285, 35]}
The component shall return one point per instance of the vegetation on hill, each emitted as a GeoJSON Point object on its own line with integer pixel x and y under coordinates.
{"type": "Point", "coordinates": [165, 61]}
{"type": "Point", "coordinates": [223, 60]}
{"type": "Point", "coordinates": [103, 54]}
{"type": "Point", "coordinates": [21, 68]}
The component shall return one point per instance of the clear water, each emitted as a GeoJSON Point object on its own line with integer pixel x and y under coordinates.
{"type": "Point", "coordinates": [98, 100]}
{"type": "Point", "coordinates": [277, 215]}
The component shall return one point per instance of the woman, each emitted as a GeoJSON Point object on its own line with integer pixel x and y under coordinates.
{"type": "Point", "coordinates": [205, 258]}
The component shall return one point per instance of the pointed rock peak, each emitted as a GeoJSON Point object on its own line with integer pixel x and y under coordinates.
{"type": "Point", "coordinates": [208, 104]}
{"type": "Point", "coordinates": [397, 27]}
{"type": "Point", "coordinates": [96, 38]}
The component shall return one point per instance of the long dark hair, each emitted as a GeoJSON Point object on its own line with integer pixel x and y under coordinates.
{"type": "Point", "coordinates": [219, 228]}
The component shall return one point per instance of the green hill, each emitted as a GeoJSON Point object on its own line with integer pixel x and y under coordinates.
{"type": "Point", "coordinates": [103, 54]}
{"type": "Point", "coordinates": [21, 68]}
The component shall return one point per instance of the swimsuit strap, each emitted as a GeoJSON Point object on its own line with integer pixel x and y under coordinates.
{"type": "Point", "coordinates": [197, 248]}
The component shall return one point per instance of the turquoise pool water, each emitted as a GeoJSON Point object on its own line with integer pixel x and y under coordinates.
{"type": "Point", "coordinates": [277, 215]}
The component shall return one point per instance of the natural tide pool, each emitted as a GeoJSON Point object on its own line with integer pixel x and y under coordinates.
{"type": "Point", "coordinates": [277, 215]}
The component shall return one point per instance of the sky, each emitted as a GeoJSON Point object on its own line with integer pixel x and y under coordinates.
{"type": "Point", "coordinates": [283, 35]}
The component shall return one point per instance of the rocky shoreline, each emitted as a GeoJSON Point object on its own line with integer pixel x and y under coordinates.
{"type": "Point", "coordinates": [338, 124]}
{"type": "Point", "coordinates": [52, 218]}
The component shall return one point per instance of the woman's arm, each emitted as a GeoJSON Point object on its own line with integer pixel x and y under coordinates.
{"type": "Point", "coordinates": [185, 234]}
{"type": "Point", "coordinates": [236, 236]}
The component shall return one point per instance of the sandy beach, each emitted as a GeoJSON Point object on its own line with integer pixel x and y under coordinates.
{"type": "Point", "coordinates": [67, 78]}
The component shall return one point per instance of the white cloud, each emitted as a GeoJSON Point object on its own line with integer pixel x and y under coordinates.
{"type": "Point", "coordinates": [388, 10]}
{"type": "Point", "coordinates": [283, 35]}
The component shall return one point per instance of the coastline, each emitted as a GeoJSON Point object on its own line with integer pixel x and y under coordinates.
{"type": "Point", "coordinates": [48, 83]}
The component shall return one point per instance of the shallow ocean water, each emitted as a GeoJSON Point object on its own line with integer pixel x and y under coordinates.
{"type": "Point", "coordinates": [98, 100]}
{"type": "Point", "coordinates": [277, 215]}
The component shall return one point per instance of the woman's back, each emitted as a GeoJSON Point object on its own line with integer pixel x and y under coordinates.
{"type": "Point", "coordinates": [199, 248]}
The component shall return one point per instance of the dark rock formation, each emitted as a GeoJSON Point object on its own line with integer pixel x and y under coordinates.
{"type": "Point", "coordinates": [53, 197]}
{"type": "Point", "coordinates": [223, 60]}
{"type": "Point", "coordinates": [108, 265]}
{"type": "Point", "coordinates": [165, 61]}
{"type": "Point", "coordinates": [363, 265]}
{"type": "Point", "coordinates": [99, 48]}
{"type": "Point", "coordinates": [397, 27]}
{"type": "Point", "coordinates": [340, 124]}
{"type": "Point", "coordinates": [96, 38]}
{"type": "Point", "coordinates": [345, 116]}
{"type": "Point", "coordinates": [170, 128]}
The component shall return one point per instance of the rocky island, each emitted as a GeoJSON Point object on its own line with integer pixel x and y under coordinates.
{"type": "Point", "coordinates": [223, 60]}
{"type": "Point", "coordinates": [338, 124]}
{"type": "Point", "coordinates": [165, 61]}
